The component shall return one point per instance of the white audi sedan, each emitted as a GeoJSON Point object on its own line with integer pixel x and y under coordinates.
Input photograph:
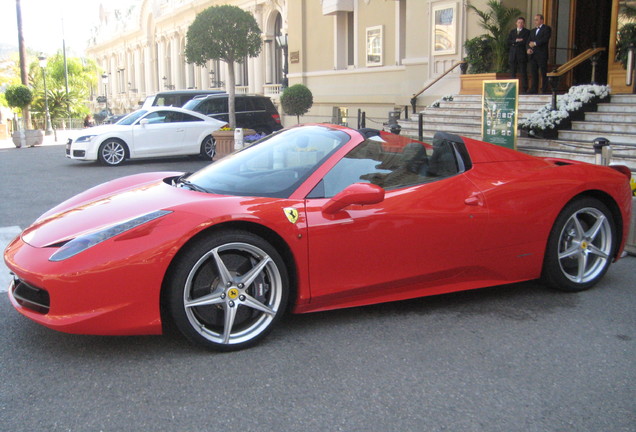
{"type": "Point", "coordinates": [147, 133]}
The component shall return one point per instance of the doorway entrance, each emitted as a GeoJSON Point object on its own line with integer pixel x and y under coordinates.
{"type": "Point", "coordinates": [576, 26]}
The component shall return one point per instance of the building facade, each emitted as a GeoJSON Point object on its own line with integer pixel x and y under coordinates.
{"type": "Point", "coordinates": [369, 55]}
{"type": "Point", "coordinates": [140, 50]}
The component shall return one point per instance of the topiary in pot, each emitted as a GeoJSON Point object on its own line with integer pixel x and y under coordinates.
{"type": "Point", "coordinates": [296, 100]}
{"type": "Point", "coordinates": [20, 96]}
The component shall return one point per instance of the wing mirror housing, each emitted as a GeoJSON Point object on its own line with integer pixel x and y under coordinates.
{"type": "Point", "coordinates": [143, 122]}
{"type": "Point", "coordinates": [357, 193]}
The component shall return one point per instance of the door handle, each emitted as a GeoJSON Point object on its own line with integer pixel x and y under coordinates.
{"type": "Point", "coordinates": [473, 200]}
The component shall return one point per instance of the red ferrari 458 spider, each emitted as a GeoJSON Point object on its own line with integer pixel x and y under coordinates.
{"type": "Point", "coordinates": [313, 218]}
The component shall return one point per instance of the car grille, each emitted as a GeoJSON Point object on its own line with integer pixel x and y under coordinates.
{"type": "Point", "coordinates": [31, 297]}
{"type": "Point", "coordinates": [68, 147]}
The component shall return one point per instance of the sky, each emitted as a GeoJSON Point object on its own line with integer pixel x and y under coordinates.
{"type": "Point", "coordinates": [46, 23]}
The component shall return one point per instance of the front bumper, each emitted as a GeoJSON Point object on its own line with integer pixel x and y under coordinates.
{"type": "Point", "coordinates": [80, 151]}
{"type": "Point", "coordinates": [82, 296]}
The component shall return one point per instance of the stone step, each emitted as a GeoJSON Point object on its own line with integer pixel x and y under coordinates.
{"type": "Point", "coordinates": [616, 107]}
{"type": "Point", "coordinates": [462, 112]}
{"type": "Point", "coordinates": [588, 157]}
{"type": "Point", "coordinates": [459, 129]}
{"type": "Point", "coordinates": [624, 98]}
{"type": "Point", "coordinates": [522, 98]}
{"type": "Point", "coordinates": [527, 106]}
{"type": "Point", "coordinates": [436, 119]}
{"type": "Point", "coordinates": [610, 117]}
{"type": "Point", "coordinates": [610, 127]}
{"type": "Point", "coordinates": [590, 136]}
{"type": "Point", "coordinates": [580, 146]}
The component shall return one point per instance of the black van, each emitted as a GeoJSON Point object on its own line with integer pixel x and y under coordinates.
{"type": "Point", "coordinates": [252, 111]}
{"type": "Point", "coordinates": [175, 98]}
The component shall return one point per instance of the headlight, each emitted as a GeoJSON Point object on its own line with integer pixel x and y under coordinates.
{"type": "Point", "coordinates": [85, 138]}
{"type": "Point", "coordinates": [81, 243]}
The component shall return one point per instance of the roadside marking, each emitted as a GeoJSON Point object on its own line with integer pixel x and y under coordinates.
{"type": "Point", "coordinates": [6, 235]}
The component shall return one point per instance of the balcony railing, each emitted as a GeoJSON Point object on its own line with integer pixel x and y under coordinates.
{"type": "Point", "coordinates": [272, 89]}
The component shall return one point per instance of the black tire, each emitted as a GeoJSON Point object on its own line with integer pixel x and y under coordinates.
{"type": "Point", "coordinates": [580, 247]}
{"type": "Point", "coordinates": [263, 130]}
{"type": "Point", "coordinates": [112, 152]}
{"type": "Point", "coordinates": [227, 291]}
{"type": "Point", "coordinates": [208, 148]}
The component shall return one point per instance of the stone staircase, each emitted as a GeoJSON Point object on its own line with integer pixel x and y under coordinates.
{"type": "Point", "coordinates": [614, 120]}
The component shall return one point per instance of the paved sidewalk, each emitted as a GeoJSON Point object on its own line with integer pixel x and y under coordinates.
{"type": "Point", "coordinates": [58, 138]}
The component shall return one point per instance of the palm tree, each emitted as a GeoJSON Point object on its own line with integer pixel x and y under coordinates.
{"type": "Point", "coordinates": [497, 21]}
{"type": "Point", "coordinates": [23, 69]}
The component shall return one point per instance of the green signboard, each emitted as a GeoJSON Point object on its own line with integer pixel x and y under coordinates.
{"type": "Point", "coordinates": [499, 112]}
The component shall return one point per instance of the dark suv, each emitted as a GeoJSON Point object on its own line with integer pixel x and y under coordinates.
{"type": "Point", "coordinates": [252, 111]}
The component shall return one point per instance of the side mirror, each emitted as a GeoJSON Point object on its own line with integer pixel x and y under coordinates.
{"type": "Point", "coordinates": [357, 193]}
{"type": "Point", "coordinates": [143, 122]}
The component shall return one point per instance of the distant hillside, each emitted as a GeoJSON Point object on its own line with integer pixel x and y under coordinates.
{"type": "Point", "coordinates": [6, 49]}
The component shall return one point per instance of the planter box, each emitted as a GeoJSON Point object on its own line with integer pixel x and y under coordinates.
{"type": "Point", "coordinates": [224, 141]}
{"type": "Point", "coordinates": [472, 84]}
{"type": "Point", "coordinates": [29, 137]}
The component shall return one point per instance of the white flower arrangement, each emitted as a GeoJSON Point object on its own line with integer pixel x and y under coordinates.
{"type": "Point", "coordinates": [545, 118]}
{"type": "Point", "coordinates": [438, 101]}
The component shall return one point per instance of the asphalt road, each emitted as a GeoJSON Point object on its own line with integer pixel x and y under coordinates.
{"type": "Point", "coordinates": [513, 358]}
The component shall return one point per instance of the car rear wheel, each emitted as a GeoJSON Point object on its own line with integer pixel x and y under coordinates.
{"type": "Point", "coordinates": [228, 290]}
{"type": "Point", "coordinates": [208, 148]}
{"type": "Point", "coordinates": [112, 152]}
{"type": "Point", "coordinates": [580, 246]}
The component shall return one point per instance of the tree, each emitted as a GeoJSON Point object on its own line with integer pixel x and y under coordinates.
{"type": "Point", "coordinates": [226, 33]}
{"type": "Point", "coordinates": [497, 22]}
{"type": "Point", "coordinates": [296, 100]}
{"type": "Point", "coordinates": [22, 49]}
{"type": "Point", "coordinates": [18, 96]}
{"type": "Point", "coordinates": [82, 77]}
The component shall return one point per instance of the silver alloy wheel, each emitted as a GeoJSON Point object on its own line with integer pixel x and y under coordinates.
{"type": "Point", "coordinates": [208, 148]}
{"type": "Point", "coordinates": [112, 152]}
{"type": "Point", "coordinates": [585, 245]}
{"type": "Point", "coordinates": [241, 300]}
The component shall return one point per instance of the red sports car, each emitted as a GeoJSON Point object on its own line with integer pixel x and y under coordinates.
{"type": "Point", "coordinates": [313, 218]}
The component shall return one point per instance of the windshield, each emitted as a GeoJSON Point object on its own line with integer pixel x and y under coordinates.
{"type": "Point", "coordinates": [191, 104]}
{"type": "Point", "coordinates": [274, 166]}
{"type": "Point", "coordinates": [131, 118]}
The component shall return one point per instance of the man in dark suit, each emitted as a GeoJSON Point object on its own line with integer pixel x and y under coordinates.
{"type": "Point", "coordinates": [517, 56]}
{"type": "Point", "coordinates": [538, 53]}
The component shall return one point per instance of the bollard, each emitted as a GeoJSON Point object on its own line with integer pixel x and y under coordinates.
{"type": "Point", "coordinates": [238, 138]}
{"type": "Point", "coordinates": [630, 244]}
{"type": "Point", "coordinates": [602, 151]}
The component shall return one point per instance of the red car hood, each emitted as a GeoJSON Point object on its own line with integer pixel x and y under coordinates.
{"type": "Point", "coordinates": [105, 210]}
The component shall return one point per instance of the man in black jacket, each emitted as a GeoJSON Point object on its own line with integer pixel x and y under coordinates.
{"type": "Point", "coordinates": [517, 57]}
{"type": "Point", "coordinates": [538, 53]}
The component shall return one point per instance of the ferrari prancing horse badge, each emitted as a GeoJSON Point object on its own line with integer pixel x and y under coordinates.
{"type": "Point", "coordinates": [292, 214]}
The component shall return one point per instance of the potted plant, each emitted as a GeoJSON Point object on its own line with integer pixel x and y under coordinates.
{"type": "Point", "coordinates": [296, 100]}
{"type": "Point", "coordinates": [487, 54]}
{"type": "Point", "coordinates": [224, 140]}
{"type": "Point", "coordinates": [20, 96]}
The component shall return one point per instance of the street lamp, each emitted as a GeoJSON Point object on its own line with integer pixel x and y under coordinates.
{"type": "Point", "coordinates": [48, 129]}
{"type": "Point", "coordinates": [105, 81]}
{"type": "Point", "coordinates": [631, 65]}
{"type": "Point", "coordinates": [281, 40]}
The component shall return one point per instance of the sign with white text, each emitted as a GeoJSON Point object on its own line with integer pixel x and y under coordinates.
{"type": "Point", "coordinates": [499, 112]}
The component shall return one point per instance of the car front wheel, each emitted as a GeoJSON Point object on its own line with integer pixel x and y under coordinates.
{"type": "Point", "coordinates": [208, 148]}
{"type": "Point", "coordinates": [112, 152]}
{"type": "Point", "coordinates": [227, 291]}
{"type": "Point", "coordinates": [580, 247]}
